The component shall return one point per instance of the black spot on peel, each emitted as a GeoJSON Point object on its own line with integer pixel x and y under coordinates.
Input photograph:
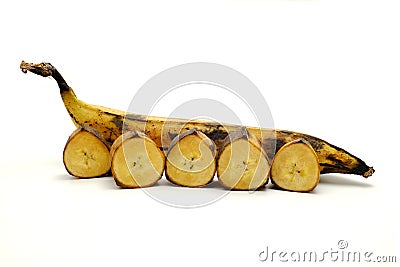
{"type": "Point", "coordinates": [332, 157]}
{"type": "Point", "coordinates": [73, 117]}
{"type": "Point", "coordinates": [284, 132]}
{"type": "Point", "coordinates": [119, 122]}
{"type": "Point", "coordinates": [216, 133]}
{"type": "Point", "coordinates": [315, 143]}
{"type": "Point", "coordinates": [279, 143]}
{"type": "Point", "coordinates": [288, 136]}
{"type": "Point", "coordinates": [333, 168]}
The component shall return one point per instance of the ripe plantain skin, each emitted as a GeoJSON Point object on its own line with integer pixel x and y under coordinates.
{"type": "Point", "coordinates": [111, 123]}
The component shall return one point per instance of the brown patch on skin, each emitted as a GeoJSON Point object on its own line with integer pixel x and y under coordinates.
{"type": "Point", "coordinates": [330, 168]}
{"type": "Point", "coordinates": [232, 136]}
{"type": "Point", "coordinates": [216, 132]}
{"type": "Point", "coordinates": [316, 143]}
{"type": "Point", "coordinates": [119, 122]}
{"type": "Point", "coordinates": [337, 167]}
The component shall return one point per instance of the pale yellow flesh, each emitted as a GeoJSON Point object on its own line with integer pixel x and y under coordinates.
{"type": "Point", "coordinates": [296, 168]}
{"type": "Point", "coordinates": [86, 156]}
{"type": "Point", "coordinates": [242, 166]}
{"type": "Point", "coordinates": [137, 162]}
{"type": "Point", "coordinates": [191, 162]}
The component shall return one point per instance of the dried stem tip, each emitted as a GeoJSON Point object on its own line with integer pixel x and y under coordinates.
{"type": "Point", "coordinates": [42, 69]}
{"type": "Point", "coordinates": [369, 172]}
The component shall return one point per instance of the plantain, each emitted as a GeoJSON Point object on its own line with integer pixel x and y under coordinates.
{"type": "Point", "coordinates": [295, 167]}
{"type": "Point", "coordinates": [191, 159]}
{"type": "Point", "coordinates": [242, 163]}
{"type": "Point", "coordinates": [86, 154]}
{"type": "Point", "coordinates": [136, 161]}
{"type": "Point", "coordinates": [112, 123]}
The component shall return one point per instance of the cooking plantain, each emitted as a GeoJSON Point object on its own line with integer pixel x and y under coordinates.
{"type": "Point", "coordinates": [111, 123]}
{"type": "Point", "coordinates": [242, 162]}
{"type": "Point", "coordinates": [136, 160]}
{"type": "Point", "coordinates": [295, 167]}
{"type": "Point", "coordinates": [86, 154]}
{"type": "Point", "coordinates": [191, 159]}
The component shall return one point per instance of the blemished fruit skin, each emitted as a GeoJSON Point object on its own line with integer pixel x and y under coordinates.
{"type": "Point", "coordinates": [111, 123]}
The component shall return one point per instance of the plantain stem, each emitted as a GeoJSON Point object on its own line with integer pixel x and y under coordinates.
{"type": "Point", "coordinates": [45, 70]}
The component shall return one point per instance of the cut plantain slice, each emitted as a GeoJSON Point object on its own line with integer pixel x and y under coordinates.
{"type": "Point", "coordinates": [242, 163]}
{"type": "Point", "coordinates": [191, 159]}
{"type": "Point", "coordinates": [296, 167]}
{"type": "Point", "coordinates": [86, 154]}
{"type": "Point", "coordinates": [136, 161]}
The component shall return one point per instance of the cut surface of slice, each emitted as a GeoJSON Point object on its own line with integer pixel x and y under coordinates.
{"type": "Point", "coordinates": [242, 163]}
{"type": "Point", "coordinates": [191, 159]}
{"type": "Point", "coordinates": [296, 167]}
{"type": "Point", "coordinates": [86, 154]}
{"type": "Point", "coordinates": [136, 161]}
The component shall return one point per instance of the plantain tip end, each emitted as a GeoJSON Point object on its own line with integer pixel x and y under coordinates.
{"type": "Point", "coordinates": [369, 172]}
{"type": "Point", "coordinates": [42, 69]}
{"type": "Point", "coordinates": [23, 67]}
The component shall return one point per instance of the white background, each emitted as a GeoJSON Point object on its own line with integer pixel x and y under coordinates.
{"type": "Point", "coordinates": [327, 68]}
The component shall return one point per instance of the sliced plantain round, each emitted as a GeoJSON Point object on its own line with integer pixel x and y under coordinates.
{"type": "Point", "coordinates": [295, 167]}
{"type": "Point", "coordinates": [136, 161]}
{"type": "Point", "coordinates": [191, 159]}
{"type": "Point", "coordinates": [242, 163]}
{"type": "Point", "coordinates": [86, 154]}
